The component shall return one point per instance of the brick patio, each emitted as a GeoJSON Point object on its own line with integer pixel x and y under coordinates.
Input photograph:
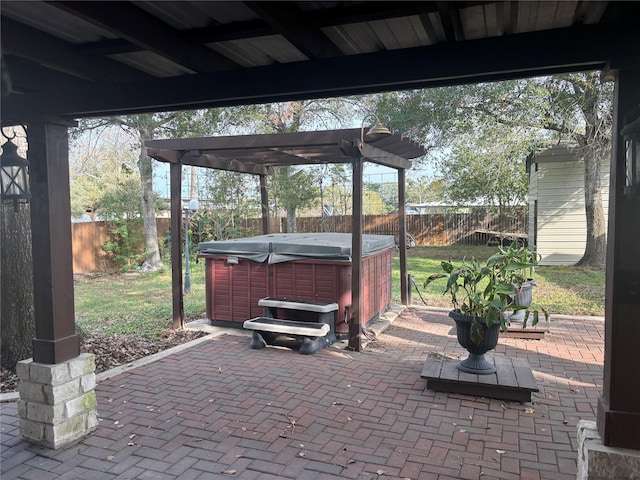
{"type": "Point", "coordinates": [221, 410]}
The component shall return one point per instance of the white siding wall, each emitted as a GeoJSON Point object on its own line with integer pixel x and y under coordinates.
{"type": "Point", "coordinates": [561, 216]}
{"type": "Point", "coordinates": [532, 197]}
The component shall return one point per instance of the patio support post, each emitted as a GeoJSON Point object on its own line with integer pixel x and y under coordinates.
{"type": "Point", "coordinates": [264, 200]}
{"type": "Point", "coordinates": [619, 407]}
{"type": "Point", "coordinates": [402, 241]}
{"type": "Point", "coordinates": [56, 339]}
{"type": "Point", "coordinates": [57, 386]}
{"type": "Point", "coordinates": [176, 244]}
{"type": "Point", "coordinates": [355, 340]}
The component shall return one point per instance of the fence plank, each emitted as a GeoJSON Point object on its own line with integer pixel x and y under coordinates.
{"type": "Point", "coordinates": [436, 229]}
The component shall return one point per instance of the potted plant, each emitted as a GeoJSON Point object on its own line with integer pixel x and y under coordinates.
{"type": "Point", "coordinates": [480, 295]}
{"type": "Point", "coordinates": [516, 265]}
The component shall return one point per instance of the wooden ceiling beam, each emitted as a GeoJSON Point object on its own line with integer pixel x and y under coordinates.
{"type": "Point", "coordinates": [25, 76]}
{"type": "Point", "coordinates": [451, 23]}
{"type": "Point", "coordinates": [288, 21]}
{"type": "Point", "coordinates": [27, 42]}
{"type": "Point", "coordinates": [148, 32]}
{"type": "Point", "coordinates": [587, 47]}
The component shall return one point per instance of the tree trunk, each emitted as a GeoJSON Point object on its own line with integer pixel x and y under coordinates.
{"type": "Point", "coordinates": [291, 220]}
{"type": "Point", "coordinates": [152, 261]}
{"type": "Point", "coordinates": [16, 288]}
{"type": "Point", "coordinates": [596, 247]}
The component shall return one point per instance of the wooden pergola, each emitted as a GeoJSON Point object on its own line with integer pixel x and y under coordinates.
{"type": "Point", "coordinates": [62, 61]}
{"type": "Point", "coordinates": [258, 155]}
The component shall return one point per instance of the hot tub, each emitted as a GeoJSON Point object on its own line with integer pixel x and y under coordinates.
{"type": "Point", "coordinates": [298, 266]}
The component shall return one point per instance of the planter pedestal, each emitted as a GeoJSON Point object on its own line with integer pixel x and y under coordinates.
{"type": "Point", "coordinates": [476, 363]}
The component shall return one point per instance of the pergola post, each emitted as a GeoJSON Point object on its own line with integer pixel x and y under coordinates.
{"type": "Point", "coordinates": [57, 386]}
{"type": "Point", "coordinates": [264, 201]}
{"type": "Point", "coordinates": [175, 171]}
{"type": "Point", "coordinates": [402, 240]}
{"type": "Point", "coordinates": [355, 326]}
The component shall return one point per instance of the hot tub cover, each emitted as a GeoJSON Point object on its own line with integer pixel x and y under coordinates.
{"type": "Point", "coordinates": [283, 247]}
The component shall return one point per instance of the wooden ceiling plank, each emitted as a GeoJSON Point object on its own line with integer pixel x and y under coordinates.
{"type": "Point", "coordinates": [39, 47]}
{"type": "Point", "coordinates": [289, 22]}
{"type": "Point", "coordinates": [148, 32]}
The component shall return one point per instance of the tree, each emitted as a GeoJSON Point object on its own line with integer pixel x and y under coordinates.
{"type": "Point", "coordinates": [294, 188]}
{"type": "Point", "coordinates": [18, 323]}
{"type": "Point", "coordinates": [540, 111]}
{"type": "Point", "coordinates": [16, 282]}
{"type": "Point", "coordinates": [147, 127]}
{"type": "Point", "coordinates": [488, 169]}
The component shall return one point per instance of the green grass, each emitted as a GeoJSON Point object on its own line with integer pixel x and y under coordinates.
{"type": "Point", "coordinates": [134, 302]}
{"type": "Point", "coordinates": [141, 303]}
{"type": "Point", "coordinates": [560, 290]}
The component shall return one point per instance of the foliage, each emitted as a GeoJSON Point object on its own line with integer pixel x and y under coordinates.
{"type": "Point", "coordinates": [231, 198]}
{"type": "Point", "coordinates": [488, 169]}
{"type": "Point", "coordinates": [140, 128]}
{"type": "Point", "coordinates": [470, 129]}
{"type": "Point", "coordinates": [480, 290]}
{"type": "Point", "coordinates": [515, 264]}
{"type": "Point", "coordinates": [125, 244]}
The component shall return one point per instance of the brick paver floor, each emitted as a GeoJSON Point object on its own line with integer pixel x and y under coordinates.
{"type": "Point", "coordinates": [222, 410]}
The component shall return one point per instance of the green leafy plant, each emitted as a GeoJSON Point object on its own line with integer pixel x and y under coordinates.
{"type": "Point", "coordinates": [125, 244]}
{"type": "Point", "coordinates": [515, 264]}
{"type": "Point", "coordinates": [481, 291]}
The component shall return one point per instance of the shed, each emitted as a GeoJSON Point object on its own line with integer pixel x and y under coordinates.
{"type": "Point", "coordinates": [557, 219]}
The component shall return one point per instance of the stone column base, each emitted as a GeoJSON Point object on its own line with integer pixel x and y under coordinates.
{"type": "Point", "coordinates": [598, 462]}
{"type": "Point", "coordinates": [57, 402]}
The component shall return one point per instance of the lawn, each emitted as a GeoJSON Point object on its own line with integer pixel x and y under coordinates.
{"type": "Point", "coordinates": [141, 303]}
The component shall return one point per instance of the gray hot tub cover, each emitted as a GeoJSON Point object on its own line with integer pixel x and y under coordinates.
{"type": "Point", "coordinates": [283, 247]}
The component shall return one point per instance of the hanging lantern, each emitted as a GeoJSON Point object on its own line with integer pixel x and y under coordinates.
{"type": "Point", "coordinates": [631, 135]}
{"type": "Point", "coordinates": [14, 175]}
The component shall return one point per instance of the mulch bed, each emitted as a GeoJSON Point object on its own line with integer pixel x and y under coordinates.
{"type": "Point", "coordinates": [114, 350]}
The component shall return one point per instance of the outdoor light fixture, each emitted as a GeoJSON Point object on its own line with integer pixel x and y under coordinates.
{"type": "Point", "coordinates": [631, 135]}
{"type": "Point", "coordinates": [14, 175]}
{"type": "Point", "coordinates": [192, 207]}
{"type": "Point", "coordinates": [378, 130]}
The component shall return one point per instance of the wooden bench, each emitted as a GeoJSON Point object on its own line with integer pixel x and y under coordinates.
{"type": "Point", "coordinates": [310, 335]}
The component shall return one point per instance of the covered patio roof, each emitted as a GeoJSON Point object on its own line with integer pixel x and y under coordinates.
{"type": "Point", "coordinates": [256, 153]}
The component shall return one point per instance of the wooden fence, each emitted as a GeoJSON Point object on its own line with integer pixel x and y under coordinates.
{"type": "Point", "coordinates": [87, 240]}
{"type": "Point", "coordinates": [428, 230]}
{"type": "Point", "coordinates": [438, 229]}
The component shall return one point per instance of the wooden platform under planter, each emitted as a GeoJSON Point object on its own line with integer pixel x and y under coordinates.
{"type": "Point", "coordinates": [513, 379]}
{"type": "Point", "coordinates": [538, 332]}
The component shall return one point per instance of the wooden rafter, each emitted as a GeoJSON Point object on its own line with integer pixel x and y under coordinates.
{"type": "Point", "coordinates": [140, 28]}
